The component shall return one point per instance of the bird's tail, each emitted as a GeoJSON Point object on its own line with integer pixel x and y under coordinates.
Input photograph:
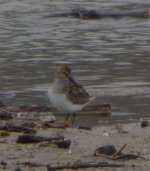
{"type": "Point", "coordinates": [92, 98]}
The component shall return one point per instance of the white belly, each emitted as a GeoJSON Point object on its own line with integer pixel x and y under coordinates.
{"type": "Point", "coordinates": [61, 102]}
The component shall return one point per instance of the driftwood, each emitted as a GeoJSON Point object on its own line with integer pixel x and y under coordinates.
{"type": "Point", "coordinates": [62, 125]}
{"type": "Point", "coordinates": [37, 113]}
{"type": "Point", "coordinates": [36, 139]}
{"type": "Point", "coordinates": [94, 109]}
{"type": "Point", "coordinates": [29, 124]}
{"type": "Point", "coordinates": [76, 165]}
{"type": "Point", "coordinates": [83, 165]}
{"type": "Point", "coordinates": [34, 112]}
{"type": "Point", "coordinates": [95, 14]}
{"type": "Point", "coordinates": [58, 140]}
{"type": "Point", "coordinates": [85, 128]}
{"type": "Point", "coordinates": [98, 109]}
{"type": "Point", "coordinates": [14, 128]}
{"type": "Point", "coordinates": [35, 108]}
{"type": "Point", "coordinates": [99, 15]}
{"type": "Point", "coordinates": [31, 164]}
{"type": "Point", "coordinates": [48, 124]}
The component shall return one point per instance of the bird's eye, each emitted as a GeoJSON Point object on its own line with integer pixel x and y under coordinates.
{"type": "Point", "coordinates": [66, 73]}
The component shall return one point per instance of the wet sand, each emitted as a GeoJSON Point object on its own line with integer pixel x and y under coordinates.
{"type": "Point", "coordinates": [84, 143]}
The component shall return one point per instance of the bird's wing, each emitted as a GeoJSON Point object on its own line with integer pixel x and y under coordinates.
{"type": "Point", "coordinates": [76, 93]}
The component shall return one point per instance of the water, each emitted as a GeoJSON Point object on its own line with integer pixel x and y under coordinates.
{"type": "Point", "coordinates": [111, 57]}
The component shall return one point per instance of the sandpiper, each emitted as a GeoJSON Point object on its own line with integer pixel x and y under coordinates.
{"type": "Point", "coordinates": [66, 95]}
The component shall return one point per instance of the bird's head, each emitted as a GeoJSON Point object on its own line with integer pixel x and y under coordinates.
{"type": "Point", "coordinates": [64, 70]}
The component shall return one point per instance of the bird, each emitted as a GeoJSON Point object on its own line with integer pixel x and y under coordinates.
{"type": "Point", "coordinates": [66, 95]}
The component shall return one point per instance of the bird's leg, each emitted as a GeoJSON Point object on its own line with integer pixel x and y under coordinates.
{"type": "Point", "coordinates": [73, 124]}
{"type": "Point", "coordinates": [67, 117]}
{"type": "Point", "coordinates": [67, 123]}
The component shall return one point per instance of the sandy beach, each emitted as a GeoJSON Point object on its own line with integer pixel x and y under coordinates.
{"type": "Point", "coordinates": [82, 148]}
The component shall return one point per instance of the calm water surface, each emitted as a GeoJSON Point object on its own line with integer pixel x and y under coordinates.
{"type": "Point", "coordinates": [110, 57]}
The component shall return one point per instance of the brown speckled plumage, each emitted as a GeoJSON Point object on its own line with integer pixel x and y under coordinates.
{"type": "Point", "coordinates": [77, 93]}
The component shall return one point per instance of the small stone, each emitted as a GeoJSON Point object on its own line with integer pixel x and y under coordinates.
{"type": "Point", "coordinates": [69, 152]}
{"type": "Point", "coordinates": [18, 169]}
{"type": "Point", "coordinates": [50, 118]}
{"type": "Point", "coordinates": [144, 124]}
{"type": "Point", "coordinates": [106, 134]}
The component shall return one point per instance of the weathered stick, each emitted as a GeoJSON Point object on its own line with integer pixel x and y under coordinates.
{"type": "Point", "coordinates": [35, 108]}
{"type": "Point", "coordinates": [119, 152]}
{"type": "Point", "coordinates": [31, 164]}
{"type": "Point", "coordinates": [52, 125]}
{"type": "Point", "coordinates": [14, 128]}
{"type": "Point", "coordinates": [76, 165]}
{"type": "Point", "coordinates": [94, 14]}
{"type": "Point", "coordinates": [24, 139]}
{"type": "Point", "coordinates": [84, 165]}
{"type": "Point", "coordinates": [58, 140]}
{"type": "Point", "coordinates": [91, 14]}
